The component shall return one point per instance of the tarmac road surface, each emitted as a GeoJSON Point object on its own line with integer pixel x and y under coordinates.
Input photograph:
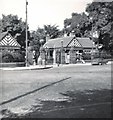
{"type": "Point", "coordinates": [57, 92]}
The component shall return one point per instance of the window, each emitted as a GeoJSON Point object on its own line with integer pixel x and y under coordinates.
{"type": "Point", "coordinates": [51, 53]}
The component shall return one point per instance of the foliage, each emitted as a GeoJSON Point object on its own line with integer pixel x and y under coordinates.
{"type": "Point", "coordinates": [7, 57]}
{"type": "Point", "coordinates": [99, 18]}
{"type": "Point", "coordinates": [77, 24]}
{"type": "Point", "coordinates": [12, 56]}
{"type": "Point", "coordinates": [18, 57]}
{"type": "Point", "coordinates": [15, 26]}
{"type": "Point", "coordinates": [52, 31]}
{"type": "Point", "coordinates": [35, 42]}
{"type": "Point", "coordinates": [41, 33]}
{"type": "Point", "coordinates": [86, 56]}
{"type": "Point", "coordinates": [38, 37]}
{"type": "Point", "coordinates": [102, 21]}
{"type": "Point", "coordinates": [0, 25]}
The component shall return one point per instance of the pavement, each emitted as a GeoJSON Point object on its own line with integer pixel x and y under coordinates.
{"type": "Point", "coordinates": [32, 67]}
{"type": "Point", "coordinates": [38, 67]}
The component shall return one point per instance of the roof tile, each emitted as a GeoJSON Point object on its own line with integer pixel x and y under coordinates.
{"type": "Point", "coordinates": [84, 42]}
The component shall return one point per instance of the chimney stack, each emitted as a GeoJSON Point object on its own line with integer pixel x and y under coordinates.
{"type": "Point", "coordinates": [47, 37]}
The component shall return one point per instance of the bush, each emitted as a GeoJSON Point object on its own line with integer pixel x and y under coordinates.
{"type": "Point", "coordinates": [0, 56]}
{"type": "Point", "coordinates": [7, 58]}
{"type": "Point", "coordinates": [86, 56]}
{"type": "Point", "coordinates": [18, 57]}
{"type": "Point", "coordinates": [105, 55]}
{"type": "Point", "coordinates": [15, 56]}
{"type": "Point", "coordinates": [97, 54]}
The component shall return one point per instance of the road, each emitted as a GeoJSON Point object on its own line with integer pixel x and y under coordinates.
{"type": "Point", "coordinates": [26, 93]}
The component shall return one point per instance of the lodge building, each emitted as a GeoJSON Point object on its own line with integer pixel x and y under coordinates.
{"type": "Point", "coordinates": [7, 42]}
{"type": "Point", "coordinates": [65, 49]}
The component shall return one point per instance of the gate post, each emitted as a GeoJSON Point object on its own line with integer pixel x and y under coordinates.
{"type": "Point", "coordinates": [43, 56]}
{"type": "Point", "coordinates": [72, 55]}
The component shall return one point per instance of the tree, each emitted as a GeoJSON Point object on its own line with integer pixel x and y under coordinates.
{"type": "Point", "coordinates": [52, 31]}
{"type": "Point", "coordinates": [102, 21]}
{"type": "Point", "coordinates": [76, 24]}
{"type": "Point", "coordinates": [40, 34]}
{"type": "Point", "coordinates": [35, 37]}
{"type": "Point", "coordinates": [0, 25]}
{"type": "Point", "coordinates": [15, 26]}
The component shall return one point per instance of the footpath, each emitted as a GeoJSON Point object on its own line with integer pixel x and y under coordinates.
{"type": "Point", "coordinates": [39, 67]}
{"type": "Point", "coordinates": [31, 67]}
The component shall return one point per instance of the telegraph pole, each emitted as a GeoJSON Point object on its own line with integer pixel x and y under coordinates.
{"type": "Point", "coordinates": [26, 37]}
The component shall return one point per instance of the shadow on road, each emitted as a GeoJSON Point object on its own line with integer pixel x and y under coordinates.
{"type": "Point", "coordinates": [33, 91]}
{"type": "Point", "coordinates": [86, 104]}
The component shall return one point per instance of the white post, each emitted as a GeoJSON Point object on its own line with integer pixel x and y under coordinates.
{"type": "Point", "coordinates": [54, 56]}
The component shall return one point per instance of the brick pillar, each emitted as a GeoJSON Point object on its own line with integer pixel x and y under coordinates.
{"type": "Point", "coordinates": [54, 56]}
{"type": "Point", "coordinates": [62, 55]}
{"type": "Point", "coordinates": [48, 57]}
{"type": "Point", "coordinates": [58, 57]}
{"type": "Point", "coordinates": [43, 55]}
{"type": "Point", "coordinates": [30, 56]}
{"type": "Point", "coordinates": [72, 55]}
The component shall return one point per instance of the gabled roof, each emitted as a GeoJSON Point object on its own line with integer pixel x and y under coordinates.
{"type": "Point", "coordinates": [85, 42]}
{"type": "Point", "coordinates": [6, 40]}
{"type": "Point", "coordinates": [57, 42]}
{"type": "Point", "coordinates": [68, 42]}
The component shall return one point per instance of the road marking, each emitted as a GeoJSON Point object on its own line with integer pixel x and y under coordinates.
{"type": "Point", "coordinates": [20, 96]}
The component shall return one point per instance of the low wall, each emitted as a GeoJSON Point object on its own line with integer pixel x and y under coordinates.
{"type": "Point", "coordinates": [15, 64]}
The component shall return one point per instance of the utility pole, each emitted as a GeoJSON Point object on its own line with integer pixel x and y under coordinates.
{"type": "Point", "coordinates": [26, 37]}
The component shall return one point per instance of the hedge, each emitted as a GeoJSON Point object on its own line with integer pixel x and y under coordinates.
{"type": "Point", "coordinates": [7, 57]}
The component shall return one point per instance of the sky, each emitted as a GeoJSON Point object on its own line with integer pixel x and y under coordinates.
{"type": "Point", "coordinates": [43, 12]}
